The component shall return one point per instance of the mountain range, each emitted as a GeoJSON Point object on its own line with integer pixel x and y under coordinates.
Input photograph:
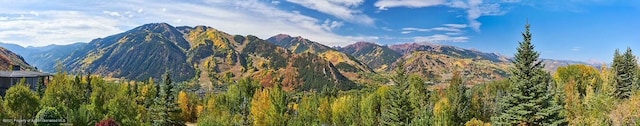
{"type": "Point", "coordinates": [214, 57]}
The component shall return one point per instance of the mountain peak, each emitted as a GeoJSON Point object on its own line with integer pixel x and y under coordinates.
{"type": "Point", "coordinates": [363, 43]}
{"type": "Point", "coordinates": [155, 27]}
{"type": "Point", "coordinates": [360, 45]}
{"type": "Point", "coordinates": [280, 37]}
{"type": "Point", "coordinates": [157, 24]}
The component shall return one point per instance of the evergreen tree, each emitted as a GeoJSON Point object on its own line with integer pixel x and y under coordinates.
{"type": "Point", "coordinates": [400, 73]}
{"type": "Point", "coordinates": [632, 66]}
{"type": "Point", "coordinates": [624, 68]}
{"type": "Point", "coordinates": [419, 99]}
{"type": "Point", "coordinates": [329, 91]}
{"type": "Point", "coordinates": [396, 107]}
{"type": "Point", "coordinates": [88, 88]}
{"type": "Point", "coordinates": [459, 100]}
{"type": "Point", "coordinates": [529, 102]}
{"type": "Point", "coordinates": [164, 105]}
{"type": "Point", "coordinates": [40, 88]}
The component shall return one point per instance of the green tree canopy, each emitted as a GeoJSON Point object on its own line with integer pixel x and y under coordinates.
{"type": "Point", "coordinates": [20, 102]}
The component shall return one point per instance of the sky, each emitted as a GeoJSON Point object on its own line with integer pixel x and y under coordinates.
{"type": "Point", "coordinates": [581, 30]}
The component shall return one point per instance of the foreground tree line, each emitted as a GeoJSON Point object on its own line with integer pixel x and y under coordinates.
{"type": "Point", "coordinates": [574, 95]}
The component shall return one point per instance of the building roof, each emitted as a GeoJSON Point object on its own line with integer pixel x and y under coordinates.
{"type": "Point", "coordinates": [20, 74]}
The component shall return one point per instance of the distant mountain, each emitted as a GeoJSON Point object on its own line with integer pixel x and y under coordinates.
{"type": "Point", "coordinates": [552, 65]}
{"type": "Point", "coordinates": [439, 61]}
{"type": "Point", "coordinates": [8, 59]}
{"type": "Point", "coordinates": [346, 64]}
{"type": "Point", "coordinates": [449, 50]}
{"type": "Point", "coordinates": [222, 56]}
{"type": "Point", "coordinates": [15, 48]}
{"type": "Point", "coordinates": [213, 56]}
{"type": "Point", "coordinates": [376, 56]}
{"type": "Point", "coordinates": [436, 62]}
{"type": "Point", "coordinates": [439, 67]}
{"type": "Point", "coordinates": [43, 57]}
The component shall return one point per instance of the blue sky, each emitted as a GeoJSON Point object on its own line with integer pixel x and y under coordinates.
{"type": "Point", "coordinates": [584, 30]}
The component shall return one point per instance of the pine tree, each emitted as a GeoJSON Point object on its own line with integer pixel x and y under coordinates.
{"type": "Point", "coordinates": [530, 102]}
{"type": "Point", "coordinates": [88, 88]}
{"type": "Point", "coordinates": [624, 68]}
{"type": "Point", "coordinates": [419, 99]}
{"type": "Point", "coordinates": [459, 101]}
{"type": "Point", "coordinates": [164, 105]}
{"type": "Point", "coordinates": [40, 88]}
{"type": "Point", "coordinates": [632, 66]}
{"type": "Point", "coordinates": [396, 108]}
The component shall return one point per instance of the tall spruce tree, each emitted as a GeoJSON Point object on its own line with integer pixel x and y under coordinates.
{"type": "Point", "coordinates": [419, 95]}
{"type": "Point", "coordinates": [40, 88]}
{"type": "Point", "coordinates": [88, 88]}
{"type": "Point", "coordinates": [396, 108]}
{"type": "Point", "coordinates": [632, 64]}
{"type": "Point", "coordinates": [624, 67]}
{"type": "Point", "coordinates": [459, 100]}
{"type": "Point", "coordinates": [530, 102]}
{"type": "Point", "coordinates": [165, 104]}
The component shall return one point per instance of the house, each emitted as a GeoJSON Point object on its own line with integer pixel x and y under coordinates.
{"type": "Point", "coordinates": [32, 78]}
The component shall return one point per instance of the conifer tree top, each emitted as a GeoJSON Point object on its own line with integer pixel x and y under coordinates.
{"type": "Point", "coordinates": [526, 59]}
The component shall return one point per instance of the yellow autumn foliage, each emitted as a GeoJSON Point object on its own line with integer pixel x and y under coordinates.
{"type": "Point", "coordinates": [334, 57]}
{"type": "Point", "coordinates": [476, 122]}
{"type": "Point", "coordinates": [200, 34]}
{"type": "Point", "coordinates": [324, 111]}
{"type": "Point", "coordinates": [186, 106]}
{"type": "Point", "coordinates": [627, 113]}
{"type": "Point", "coordinates": [260, 105]}
{"type": "Point", "coordinates": [442, 113]}
{"type": "Point", "coordinates": [342, 111]}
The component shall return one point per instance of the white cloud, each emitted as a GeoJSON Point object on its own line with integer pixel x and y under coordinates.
{"type": "Point", "coordinates": [384, 4]}
{"type": "Point", "coordinates": [140, 10]}
{"type": "Point", "coordinates": [416, 29]}
{"type": "Point", "coordinates": [330, 25]}
{"type": "Point", "coordinates": [56, 27]}
{"type": "Point", "coordinates": [343, 9]}
{"type": "Point", "coordinates": [439, 38]}
{"type": "Point", "coordinates": [112, 13]}
{"type": "Point", "coordinates": [452, 28]}
{"type": "Point", "coordinates": [456, 25]}
{"type": "Point", "coordinates": [577, 48]}
{"type": "Point", "coordinates": [448, 29]}
{"type": "Point", "coordinates": [453, 33]}
{"type": "Point", "coordinates": [34, 13]}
